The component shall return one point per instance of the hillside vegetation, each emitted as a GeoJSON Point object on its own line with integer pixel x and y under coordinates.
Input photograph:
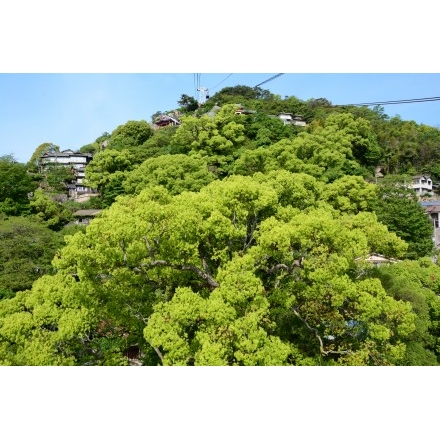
{"type": "Point", "coordinates": [232, 239]}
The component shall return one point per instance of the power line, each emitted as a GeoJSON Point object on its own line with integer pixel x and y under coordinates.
{"type": "Point", "coordinates": [270, 79]}
{"type": "Point", "coordinates": [221, 82]}
{"type": "Point", "coordinates": [400, 101]}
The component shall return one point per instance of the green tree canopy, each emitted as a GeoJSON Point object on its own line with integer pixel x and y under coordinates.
{"type": "Point", "coordinates": [398, 208]}
{"type": "Point", "coordinates": [106, 163]}
{"type": "Point", "coordinates": [177, 173]}
{"type": "Point", "coordinates": [129, 135]}
{"type": "Point", "coordinates": [34, 161]}
{"type": "Point", "coordinates": [26, 250]}
{"type": "Point", "coordinates": [417, 282]}
{"type": "Point", "coordinates": [188, 103]}
{"type": "Point", "coordinates": [56, 177]}
{"type": "Point", "coordinates": [232, 239]}
{"type": "Point", "coordinates": [218, 139]}
{"type": "Point", "coordinates": [53, 213]}
{"type": "Point", "coordinates": [223, 276]}
{"type": "Point", "coordinates": [159, 143]}
{"type": "Point", "coordinates": [326, 151]}
{"type": "Point", "coordinates": [15, 186]}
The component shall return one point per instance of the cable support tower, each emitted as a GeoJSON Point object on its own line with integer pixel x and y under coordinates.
{"type": "Point", "coordinates": [203, 95]}
{"type": "Point", "coordinates": [203, 91]}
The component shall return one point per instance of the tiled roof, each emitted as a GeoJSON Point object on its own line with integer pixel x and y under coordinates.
{"type": "Point", "coordinates": [87, 212]}
{"type": "Point", "coordinates": [432, 209]}
{"type": "Point", "coordinates": [66, 153]}
{"type": "Point", "coordinates": [166, 118]}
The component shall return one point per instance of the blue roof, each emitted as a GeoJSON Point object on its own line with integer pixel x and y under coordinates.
{"type": "Point", "coordinates": [431, 203]}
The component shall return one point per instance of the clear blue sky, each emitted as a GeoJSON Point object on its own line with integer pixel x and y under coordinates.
{"type": "Point", "coordinates": [71, 110]}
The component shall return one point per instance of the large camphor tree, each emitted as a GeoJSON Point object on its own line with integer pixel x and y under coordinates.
{"type": "Point", "coordinates": [239, 273]}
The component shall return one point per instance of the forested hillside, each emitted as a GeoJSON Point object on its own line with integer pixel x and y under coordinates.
{"type": "Point", "coordinates": [230, 239]}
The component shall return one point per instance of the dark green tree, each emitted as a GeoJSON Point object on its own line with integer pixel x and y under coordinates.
{"type": "Point", "coordinates": [159, 143]}
{"type": "Point", "coordinates": [265, 130]}
{"type": "Point", "coordinates": [132, 134]}
{"type": "Point", "coordinates": [53, 213]}
{"type": "Point", "coordinates": [398, 208]}
{"type": "Point", "coordinates": [34, 161]}
{"type": "Point", "coordinates": [155, 115]}
{"type": "Point", "coordinates": [15, 186]}
{"type": "Point", "coordinates": [188, 103]}
{"type": "Point", "coordinates": [417, 282]}
{"type": "Point", "coordinates": [27, 248]}
{"type": "Point", "coordinates": [56, 177]}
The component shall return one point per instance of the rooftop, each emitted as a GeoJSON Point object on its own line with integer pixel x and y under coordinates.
{"type": "Point", "coordinates": [87, 212]}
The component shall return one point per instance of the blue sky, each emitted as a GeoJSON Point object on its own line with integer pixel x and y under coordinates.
{"type": "Point", "coordinates": [72, 110]}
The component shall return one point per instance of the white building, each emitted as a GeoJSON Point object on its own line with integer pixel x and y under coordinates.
{"type": "Point", "coordinates": [290, 119]}
{"type": "Point", "coordinates": [422, 184]}
{"type": "Point", "coordinates": [66, 157]}
{"type": "Point", "coordinates": [77, 163]}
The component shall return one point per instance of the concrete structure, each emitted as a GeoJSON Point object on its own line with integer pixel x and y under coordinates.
{"type": "Point", "coordinates": [422, 184]}
{"type": "Point", "coordinates": [432, 208]}
{"type": "Point", "coordinates": [290, 119]}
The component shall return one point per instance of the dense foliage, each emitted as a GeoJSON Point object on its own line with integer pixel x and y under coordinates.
{"type": "Point", "coordinates": [15, 186]}
{"type": "Point", "coordinates": [27, 248]}
{"type": "Point", "coordinates": [233, 239]}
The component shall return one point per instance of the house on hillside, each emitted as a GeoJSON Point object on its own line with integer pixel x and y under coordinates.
{"type": "Point", "coordinates": [291, 119]}
{"type": "Point", "coordinates": [422, 184]}
{"type": "Point", "coordinates": [77, 163]}
{"type": "Point", "coordinates": [299, 121]}
{"type": "Point", "coordinates": [85, 216]}
{"type": "Point", "coordinates": [165, 120]}
{"type": "Point", "coordinates": [432, 209]}
{"type": "Point", "coordinates": [434, 213]}
{"type": "Point", "coordinates": [243, 111]}
{"type": "Point", "coordinates": [65, 157]}
{"type": "Point", "coordinates": [379, 260]}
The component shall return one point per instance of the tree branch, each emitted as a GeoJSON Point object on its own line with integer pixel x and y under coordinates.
{"type": "Point", "coordinates": [158, 353]}
{"type": "Point", "coordinates": [150, 251]}
{"type": "Point", "coordinates": [137, 314]}
{"type": "Point", "coordinates": [202, 255]}
{"type": "Point", "coordinates": [124, 251]}
{"type": "Point", "coordinates": [250, 235]}
{"type": "Point", "coordinates": [277, 267]}
{"type": "Point", "coordinates": [189, 267]}
{"type": "Point", "coordinates": [316, 333]}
